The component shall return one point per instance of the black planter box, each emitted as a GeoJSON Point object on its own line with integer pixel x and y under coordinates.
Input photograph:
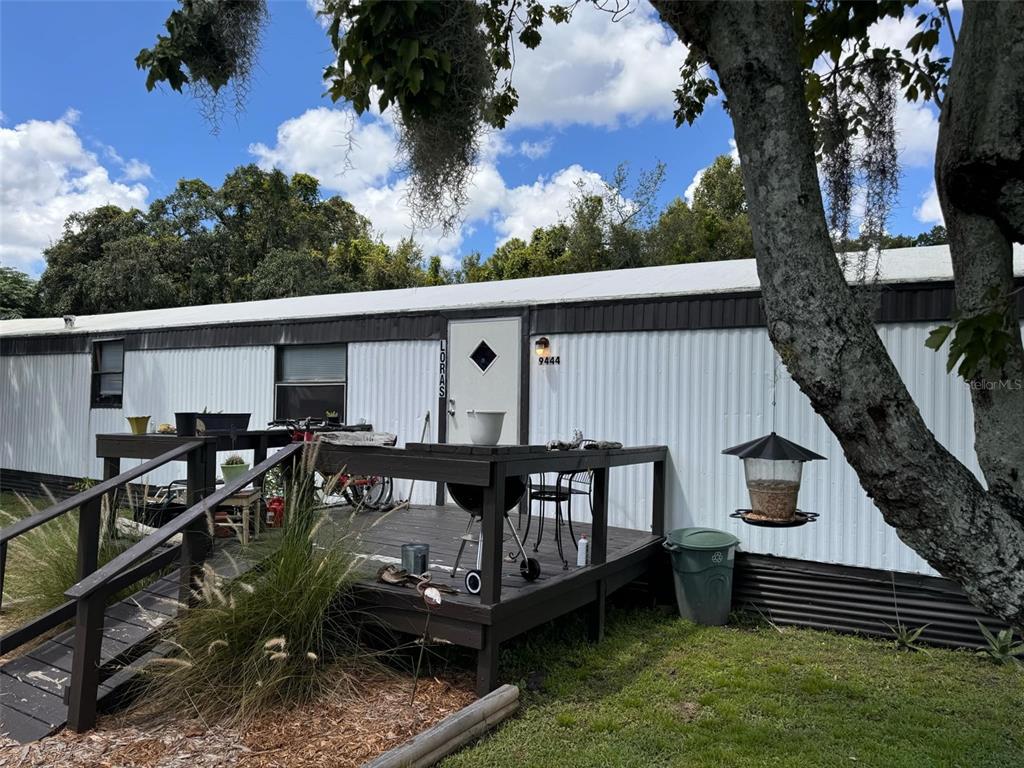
{"type": "Point", "coordinates": [188, 424]}
{"type": "Point", "coordinates": [222, 423]}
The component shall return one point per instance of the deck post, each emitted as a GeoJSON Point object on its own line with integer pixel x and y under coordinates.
{"type": "Point", "coordinates": [487, 664]}
{"type": "Point", "coordinates": [88, 537]}
{"type": "Point", "coordinates": [599, 529]}
{"type": "Point", "coordinates": [194, 540]}
{"type": "Point", "coordinates": [492, 530]}
{"type": "Point", "coordinates": [85, 662]}
{"type": "Point", "coordinates": [658, 499]}
{"type": "Point", "coordinates": [111, 469]}
{"type": "Point", "coordinates": [259, 455]}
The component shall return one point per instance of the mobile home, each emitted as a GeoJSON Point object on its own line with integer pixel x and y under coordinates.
{"type": "Point", "coordinates": [674, 355]}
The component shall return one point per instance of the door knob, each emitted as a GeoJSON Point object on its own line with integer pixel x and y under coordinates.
{"type": "Point", "coordinates": [451, 406]}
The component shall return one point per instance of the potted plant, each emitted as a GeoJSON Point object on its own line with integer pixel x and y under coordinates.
{"type": "Point", "coordinates": [233, 466]}
{"type": "Point", "coordinates": [139, 424]}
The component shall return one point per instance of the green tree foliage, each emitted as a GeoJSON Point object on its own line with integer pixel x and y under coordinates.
{"type": "Point", "coordinates": [19, 295]}
{"type": "Point", "coordinates": [263, 235]}
{"type": "Point", "coordinates": [260, 235]}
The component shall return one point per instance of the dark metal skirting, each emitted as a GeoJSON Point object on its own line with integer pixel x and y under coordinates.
{"type": "Point", "coordinates": [33, 483]}
{"type": "Point", "coordinates": [859, 600]}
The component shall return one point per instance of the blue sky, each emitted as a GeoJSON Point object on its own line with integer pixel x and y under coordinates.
{"type": "Point", "coordinates": [79, 128]}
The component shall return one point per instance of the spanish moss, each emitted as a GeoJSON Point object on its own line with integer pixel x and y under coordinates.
{"type": "Point", "coordinates": [441, 147]}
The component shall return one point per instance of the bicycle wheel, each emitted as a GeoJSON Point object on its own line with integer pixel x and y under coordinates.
{"type": "Point", "coordinates": [377, 492]}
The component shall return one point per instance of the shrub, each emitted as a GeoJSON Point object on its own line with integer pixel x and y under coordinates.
{"type": "Point", "coordinates": [42, 564]}
{"type": "Point", "coordinates": [280, 634]}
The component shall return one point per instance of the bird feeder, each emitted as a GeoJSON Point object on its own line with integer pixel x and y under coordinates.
{"type": "Point", "coordinates": [773, 467]}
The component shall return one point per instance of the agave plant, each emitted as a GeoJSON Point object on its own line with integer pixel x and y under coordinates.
{"type": "Point", "coordinates": [1002, 648]}
{"type": "Point", "coordinates": [906, 638]}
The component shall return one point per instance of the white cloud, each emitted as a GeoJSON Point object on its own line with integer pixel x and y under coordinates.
{"type": "Point", "coordinates": [536, 149]}
{"type": "Point", "coordinates": [917, 132]}
{"type": "Point", "coordinates": [367, 175]}
{"type": "Point", "coordinates": [136, 170]}
{"type": "Point", "coordinates": [929, 211]}
{"type": "Point", "coordinates": [45, 175]}
{"type": "Point", "coordinates": [597, 71]}
{"type": "Point", "coordinates": [545, 202]}
{"type": "Point", "coordinates": [347, 154]}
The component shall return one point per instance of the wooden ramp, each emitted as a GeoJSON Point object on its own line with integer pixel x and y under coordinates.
{"type": "Point", "coordinates": [32, 685]}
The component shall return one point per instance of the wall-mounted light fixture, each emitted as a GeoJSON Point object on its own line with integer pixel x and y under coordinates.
{"type": "Point", "coordinates": [542, 347]}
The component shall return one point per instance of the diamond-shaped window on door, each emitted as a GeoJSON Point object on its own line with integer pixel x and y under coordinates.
{"type": "Point", "coordinates": [483, 356]}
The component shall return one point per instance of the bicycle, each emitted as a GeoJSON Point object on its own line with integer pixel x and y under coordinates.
{"type": "Point", "coordinates": [372, 492]}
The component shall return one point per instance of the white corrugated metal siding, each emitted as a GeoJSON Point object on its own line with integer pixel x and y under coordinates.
{"type": "Point", "coordinates": [230, 379]}
{"type": "Point", "coordinates": [701, 391]}
{"type": "Point", "coordinates": [45, 416]}
{"type": "Point", "coordinates": [393, 385]}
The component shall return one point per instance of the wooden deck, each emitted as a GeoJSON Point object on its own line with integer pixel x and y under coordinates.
{"type": "Point", "coordinates": [463, 618]}
{"type": "Point", "coordinates": [103, 650]}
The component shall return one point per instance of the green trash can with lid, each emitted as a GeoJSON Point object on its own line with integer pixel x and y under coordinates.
{"type": "Point", "coordinates": [702, 560]}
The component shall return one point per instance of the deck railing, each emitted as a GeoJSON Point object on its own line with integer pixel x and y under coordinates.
{"type": "Point", "coordinates": [89, 504]}
{"type": "Point", "coordinates": [90, 595]}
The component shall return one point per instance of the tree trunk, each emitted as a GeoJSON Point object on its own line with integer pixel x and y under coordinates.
{"type": "Point", "coordinates": [825, 338]}
{"type": "Point", "coordinates": [979, 171]}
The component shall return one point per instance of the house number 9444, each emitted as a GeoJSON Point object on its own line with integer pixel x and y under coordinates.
{"type": "Point", "coordinates": [556, 360]}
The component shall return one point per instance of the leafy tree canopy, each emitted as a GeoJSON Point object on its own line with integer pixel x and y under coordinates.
{"type": "Point", "coordinates": [262, 235]}
{"type": "Point", "coordinates": [19, 295]}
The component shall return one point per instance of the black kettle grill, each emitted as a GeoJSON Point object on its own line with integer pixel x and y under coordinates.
{"type": "Point", "coordinates": [471, 499]}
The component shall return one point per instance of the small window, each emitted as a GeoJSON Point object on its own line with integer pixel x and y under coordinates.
{"type": "Point", "coordinates": [107, 373]}
{"type": "Point", "coordinates": [311, 381]}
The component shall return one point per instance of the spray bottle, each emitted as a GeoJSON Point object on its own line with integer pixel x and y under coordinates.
{"type": "Point", "coordinates": [582, 548]}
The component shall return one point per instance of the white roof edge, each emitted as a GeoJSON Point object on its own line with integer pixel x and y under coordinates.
{"type": "Point", "coordinates": [923, 264]}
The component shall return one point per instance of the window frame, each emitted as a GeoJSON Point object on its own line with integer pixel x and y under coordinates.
{"type": "Point", "coordinates": [97, 400]}
{"type": "Point", "coordinates": [279, 351]}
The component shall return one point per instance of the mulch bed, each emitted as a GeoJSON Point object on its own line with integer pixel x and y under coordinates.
{"type": "Point", "coordinates": [331, 732]}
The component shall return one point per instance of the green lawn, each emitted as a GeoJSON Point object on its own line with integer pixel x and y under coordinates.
{"type": "Point", "coordinates": [660, 691]}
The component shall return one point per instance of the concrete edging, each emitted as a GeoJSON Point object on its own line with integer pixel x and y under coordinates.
{"type": "Point", "coordinates": [456, 730]}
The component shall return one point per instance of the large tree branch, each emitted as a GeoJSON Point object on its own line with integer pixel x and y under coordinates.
{"type": "Point", "coordinates": [979, 171]}
{"type": "Point", "coordinates": [827, 341]}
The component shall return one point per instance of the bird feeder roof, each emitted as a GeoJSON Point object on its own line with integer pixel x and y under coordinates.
{"type": "Point", "coordinates": [773, 448]}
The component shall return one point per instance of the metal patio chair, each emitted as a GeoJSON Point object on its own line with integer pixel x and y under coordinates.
{"type": "Point", "coordinates": [567, 485]}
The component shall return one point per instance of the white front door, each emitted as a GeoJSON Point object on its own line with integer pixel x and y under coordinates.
{"type": "Point", "coordinates": [483, 374]}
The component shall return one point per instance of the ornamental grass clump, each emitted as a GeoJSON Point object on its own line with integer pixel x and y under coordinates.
{"type": "Point", "coordinates": [43, 563]}
{"type": "Point", "coordinates": [278, 635]}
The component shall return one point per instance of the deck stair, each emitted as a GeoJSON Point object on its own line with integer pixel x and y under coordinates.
{"type": "Point", "coordinates": [64, 680]}
{"type": "Point", "coordinates": [34, 686]}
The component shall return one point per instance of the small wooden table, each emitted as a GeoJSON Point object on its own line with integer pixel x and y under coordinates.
{"type": "Point", "coordinates": [244, 500]}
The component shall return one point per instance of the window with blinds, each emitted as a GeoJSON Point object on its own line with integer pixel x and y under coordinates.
{"type": "Point", "coordinates": [107, 373]}
{"type": "Point", "coordinates": [311, 381]}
